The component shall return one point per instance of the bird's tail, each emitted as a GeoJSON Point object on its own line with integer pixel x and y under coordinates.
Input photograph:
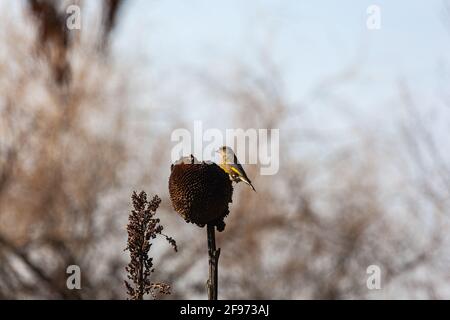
{"type": "Point", "coordinates": [249, 183]}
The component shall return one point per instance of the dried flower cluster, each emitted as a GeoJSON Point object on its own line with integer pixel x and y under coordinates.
{"type": "Point", "coordinates": [142, 228]}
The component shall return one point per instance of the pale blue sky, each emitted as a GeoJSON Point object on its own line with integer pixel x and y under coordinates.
{"type": "Point", "coordinates": [309, 40]}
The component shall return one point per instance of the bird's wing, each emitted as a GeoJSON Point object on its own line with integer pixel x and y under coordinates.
{"type": "Point", "coordinates": [239, 166]}
{"type": "Point", "coordinates": [242, 176]}
{"type": "Point", "coordinates": [240, 171]}
{"type": "Point", "coordinates": [235, 160]}
{"type": "Point", "coordinates": [236, 170]}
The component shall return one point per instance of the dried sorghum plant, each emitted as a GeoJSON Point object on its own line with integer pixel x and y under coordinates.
{"type": "Point", "coordinates": [142, 228]}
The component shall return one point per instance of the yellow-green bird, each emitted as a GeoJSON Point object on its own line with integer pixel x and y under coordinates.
{"type": "Point", "coordinates": [230, 164]}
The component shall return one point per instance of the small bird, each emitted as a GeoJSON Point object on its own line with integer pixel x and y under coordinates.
{"type": "Point", "coordinates": [230, 164]}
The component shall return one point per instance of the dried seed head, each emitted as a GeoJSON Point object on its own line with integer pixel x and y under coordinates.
{"type": "Point", "coordinates": [200, 192]}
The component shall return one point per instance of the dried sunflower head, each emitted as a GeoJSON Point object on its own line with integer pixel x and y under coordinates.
{"type": "Point", "coordinates": [200, 192]}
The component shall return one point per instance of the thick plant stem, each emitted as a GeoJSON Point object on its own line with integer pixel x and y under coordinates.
{"type": "Point", "coordinates": [213, 253]}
